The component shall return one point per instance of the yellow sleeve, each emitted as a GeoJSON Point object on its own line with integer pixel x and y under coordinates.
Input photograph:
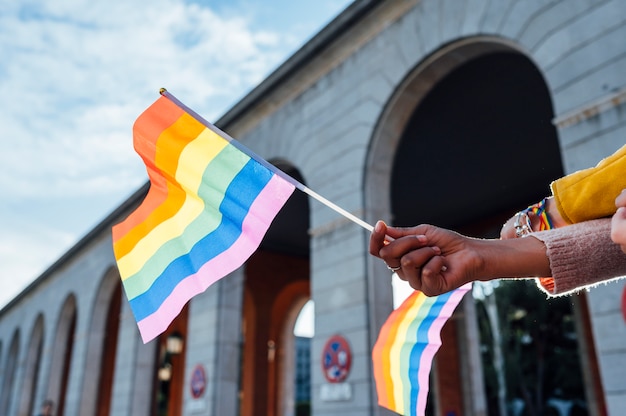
{"type": "Point", "coordinates": [590, 193]}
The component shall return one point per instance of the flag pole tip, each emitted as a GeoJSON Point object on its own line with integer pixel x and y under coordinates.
{"type": "Point", "coordinates": [162, 91]}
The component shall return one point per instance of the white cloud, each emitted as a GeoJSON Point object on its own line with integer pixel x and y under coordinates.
{"type": "Point", "coordinates": [83, 72]}
{"type": "Point", "coordinates": [74, 76]}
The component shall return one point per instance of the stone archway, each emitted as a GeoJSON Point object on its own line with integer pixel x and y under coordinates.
{"type": "Point", "coordinates": [270, 293]}
{"type": "Point", "coordinates": [386, 138]}
{"type": "Point", "coordinates": [101, 346]}
{"type": "Point", "coordinates": [288, 305]}
{"type": "Point", "coordinates": [445, 151]}
{"type": "Point", "coordinates": [32, 370]}
{"type": "Point", "coordinates": [400, 108]}
{"type": "Point", "coordinates": [62, 350]}
{"type": "Point", "coordinates": [9, 373]}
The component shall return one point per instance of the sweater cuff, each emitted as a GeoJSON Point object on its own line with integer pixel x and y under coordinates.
{"type": "Point", "coordinates": [580, 255]}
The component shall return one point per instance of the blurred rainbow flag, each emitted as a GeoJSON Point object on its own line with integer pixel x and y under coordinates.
{"type": "Point", "coordinates": [405, 349]}
{"type": "Point", "coordinates": [209, 205]}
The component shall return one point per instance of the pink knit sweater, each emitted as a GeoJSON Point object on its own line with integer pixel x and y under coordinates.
{"type": "Point", "coordinates": [581, 255]}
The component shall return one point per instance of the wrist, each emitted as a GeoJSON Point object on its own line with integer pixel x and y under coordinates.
{"type": "Point", "coordinates": [520, 257]}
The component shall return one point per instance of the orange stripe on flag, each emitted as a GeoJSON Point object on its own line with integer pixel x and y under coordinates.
{"type": "Point", "coordinates": [165, 113]}
{"type": "Point", "coordinates": [169, 196]}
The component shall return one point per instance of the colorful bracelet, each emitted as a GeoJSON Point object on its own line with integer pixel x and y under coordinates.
{"type": "Point", "coordinates": [523, 225]}
{"type": "Point", "coordinates": [539, 209]}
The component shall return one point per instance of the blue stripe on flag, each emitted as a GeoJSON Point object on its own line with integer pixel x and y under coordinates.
{"type": "Point", "coordinates": [239, 196]}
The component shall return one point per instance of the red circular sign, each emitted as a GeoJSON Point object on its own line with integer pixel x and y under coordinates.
{"type": "Point", "coordinates": [336, 359]}
{"type": "Point", "coordinates": [198, 381]}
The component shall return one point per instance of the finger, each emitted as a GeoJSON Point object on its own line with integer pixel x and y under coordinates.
{"type": "Point", "coordinates": [417, 258]}
{"type": "Point", "coordinates": [399, 232]}
{"type": "Point", "coordinates": [434, 282]}
{"type": "Point", "coordinates": [620, 201]}
{"type": "Point", "coordinates": [413, 276]}
{"type": "Point", "coordinates": [401, 246]}
{"type": "Point", "coordinates": [412, 264]}
{"type": "Point", "coordinates": [402, 276]}
{"type": "Point", "coordinates": [435, 267]}
{"type": "Point", "coordinates": [432, 274]}
{"type": "Point", "coordinates": [377, 239]}
{"type": "Point", "coordinates": [618, 227]}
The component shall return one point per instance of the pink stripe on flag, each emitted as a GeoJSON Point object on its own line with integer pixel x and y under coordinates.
{"type": "Point", "coordinates": [434, 342]}
{"type": "Point", "coordinates": [261, 214]}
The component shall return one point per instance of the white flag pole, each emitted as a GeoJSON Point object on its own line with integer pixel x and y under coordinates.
{"type": "Point", "coordinates": [268, 165]}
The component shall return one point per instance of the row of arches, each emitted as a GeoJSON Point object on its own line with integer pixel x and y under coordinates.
{"type": "Point", "coordinates": [37, 366]}
{"type": "Point", "coordinates": [29, 349]}
{"type": "Point", "coordinates": [54, 344]}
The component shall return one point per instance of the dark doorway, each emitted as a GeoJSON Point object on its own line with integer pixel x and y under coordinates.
{"type": "Point", "coordinates": [481, 144]}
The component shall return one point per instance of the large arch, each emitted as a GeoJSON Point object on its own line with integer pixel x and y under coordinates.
{"type": "Point", "coordinates": [390, 127]}
{"type": "Point", "coordinates": [483, 144]}
{"type": "Point", "coordinates": [61, 357]}
{"type": "Point", "coordinates": [465, 141]}
{"type": "Point", "coordinates": [399, 109]}
{"type": "Point", "coordinates": [32, 368]}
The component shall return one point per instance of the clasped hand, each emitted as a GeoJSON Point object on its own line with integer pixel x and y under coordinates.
{"type": "Point", "coordinates": [433, 260]}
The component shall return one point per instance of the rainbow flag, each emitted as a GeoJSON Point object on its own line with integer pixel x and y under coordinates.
{"type": "Point", "coordinates": [405, 349]}
{"type": "Point", "coordinates": [208, 207]}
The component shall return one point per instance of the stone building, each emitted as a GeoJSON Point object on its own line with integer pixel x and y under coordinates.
{"type": "Point", "coordinates": [450, 112]}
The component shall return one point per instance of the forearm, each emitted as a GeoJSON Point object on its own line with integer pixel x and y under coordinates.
{"type": "Point", "coordinates": [520, 257]}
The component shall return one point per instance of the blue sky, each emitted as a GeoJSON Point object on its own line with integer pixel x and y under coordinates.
{"type": "Point", "coordinates": [75, 74]}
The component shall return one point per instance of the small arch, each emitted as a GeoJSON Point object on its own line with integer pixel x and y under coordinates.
{"type": "Point", "coordinates": [169, 369]}
{"type": "Point", "coordinates": [287, 308]}
{"type": "Point", "coordinates": [269, 318]}
{"type": "Point", "coordinates": [10, 368]}
{"type": "Point", "coordinates": [32, 367]}
{"type": "Point", "coordinates": [62, 353]}
{"type": "Point", "coordinates": [1, 367]}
